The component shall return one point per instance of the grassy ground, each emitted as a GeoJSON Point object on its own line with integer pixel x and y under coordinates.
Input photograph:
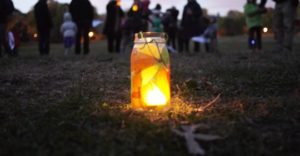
{"type": "Point", "coordinates": [80, 105]}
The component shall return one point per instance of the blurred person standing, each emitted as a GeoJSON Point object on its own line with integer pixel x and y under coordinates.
{"type": "Point", "coordinates": [113, 24]}
{"type": "Point", "coordinates": [6, 9]}
{"type": "Point", "coordinates": [253, 15]}
{"type": "Point", "coordinates": [83, 13]}
{"type": "Point", "coordinates": [191, 24]}
{"type": "Point", "coordinates": [156, 22]}
{"type": "Point", "coordinates": [146, 12]}
{"type": "Point", "coordinates": [44, 25]}
{"type": "Point", "coordinates": [211, 33]}
{"type": "Point", "coordinates": [135, 14]}
{"type": "Point", "coordinates": [262, 3]}
{"type": "Point", "coordinates": [284, 24]}
{"type": "Point", "coordinates": [69, 30]}
{"type": "Point", "coordinates": [133, 23]}
{"type": "Point", "coordinates": [170, 27]}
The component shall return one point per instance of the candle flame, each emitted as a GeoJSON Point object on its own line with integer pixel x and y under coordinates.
{"type": "Point", "coordinates": [155, 97]}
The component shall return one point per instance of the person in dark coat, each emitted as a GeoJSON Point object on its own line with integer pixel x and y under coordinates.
{"type": "Point", "coordinates": [83, 13]}
{"type": "Point", "coordinates": [262, 3]}
{"type": "Point", "coordinates": [112, 28]}
{"type": "Point", "coordinates": [191, 23]}
{"type": "Point", "coordinates": [6, 8]}
{"type": "Point", "coordinates": [146, 12]}
{"type": "Point", "coordinates": [284, 17]}
{"type": "Point", "coordinates": [170, 25]}
{"type": "Point", "coordinates": [133, 23]}
{"type": "Point", "coordinates": [44, 25]}
{"type": "Point", "coordinates": [135, 14]}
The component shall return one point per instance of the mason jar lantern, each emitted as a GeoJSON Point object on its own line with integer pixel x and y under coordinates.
{"type": "Point", "coordinates": [150, 71]}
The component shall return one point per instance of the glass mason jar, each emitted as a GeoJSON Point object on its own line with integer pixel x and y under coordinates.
{"type": "Point", "coordinates": [150, 71]}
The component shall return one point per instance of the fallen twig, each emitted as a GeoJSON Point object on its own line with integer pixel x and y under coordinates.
{"type": "Point", "coordinates": [201, 109]}
{"type": "Point", "coordinates": [211, 103]}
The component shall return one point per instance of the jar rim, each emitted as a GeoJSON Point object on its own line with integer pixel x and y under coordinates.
{"type": "Point", "coordinates": [150, 34]}
{"type": "Point", "coordinates": [158, 36]}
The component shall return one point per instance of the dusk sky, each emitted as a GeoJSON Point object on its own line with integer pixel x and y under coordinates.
{"type": "Point", "coordinates": [213, 6]}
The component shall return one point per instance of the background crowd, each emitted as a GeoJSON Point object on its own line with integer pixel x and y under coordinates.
{"type": "Point", "coordinates": [120, 26]}
{"type": "Point", "coordinates": [141, 18]}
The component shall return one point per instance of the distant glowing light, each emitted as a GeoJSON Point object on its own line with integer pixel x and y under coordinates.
{"type": "Point", "coordinates": [35, 35]}
{"type": "Point", "coordinates": [135, 8]}
{"type": "Point", "coordinates": [252, 42]}
{"type": "Point", "coordinates": [119, 3]}
{"type": "Point", "coordinates": [91, 34]}
{"type": "Point", "coordinates": [265, 29]}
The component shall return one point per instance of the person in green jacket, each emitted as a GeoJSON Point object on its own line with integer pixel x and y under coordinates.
{"type": "Point", "coordinates": [253, 15]}
{"type": "Point", "coordinates": [157, 22]}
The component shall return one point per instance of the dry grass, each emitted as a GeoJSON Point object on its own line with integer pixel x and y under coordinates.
{"type": "Point", "coordinates": [79, 105]}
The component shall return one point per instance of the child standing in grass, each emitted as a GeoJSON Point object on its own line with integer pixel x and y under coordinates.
{"type": "Point", "coordinates": [253, 15]}
{"type": "Point", "coordinates": [69, 30]}
{"type": "Point", "coordinates": [211, 33]}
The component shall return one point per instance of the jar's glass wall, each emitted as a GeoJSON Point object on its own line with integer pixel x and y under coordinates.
{"type": "Point", "coordinates": [150, 71]}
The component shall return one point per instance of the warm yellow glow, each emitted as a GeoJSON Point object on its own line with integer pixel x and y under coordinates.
{"type": "Point", "coordinates": [35, 35]}
{"type": "Point", "coordinates": [150, 75]}
{"type": "Point", "coordinates": [155, 91]}
{"type": "Point", "coordinates": [150, 50]}
{"type": "Point", "coordinates": [148, 39]}
{"type": "Point", "coordinates": [135, 8]}
{"type": "Point", "coordinates": [265, 29]}
{"type": "Point", "coordinates": [154, 97]}
{"type": "Point", "coordinates": [118, 2]}
{"type": "Point", "coordinates": [91, 34]}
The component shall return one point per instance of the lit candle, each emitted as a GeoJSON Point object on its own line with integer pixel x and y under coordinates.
{"type": "Point", "coordinates": [154, 96]}
{"type": "Point", "coordinates": [150, 72]}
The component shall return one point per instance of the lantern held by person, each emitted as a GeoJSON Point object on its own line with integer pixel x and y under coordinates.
{"type": "Point", "coordinates": [150, 71]}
